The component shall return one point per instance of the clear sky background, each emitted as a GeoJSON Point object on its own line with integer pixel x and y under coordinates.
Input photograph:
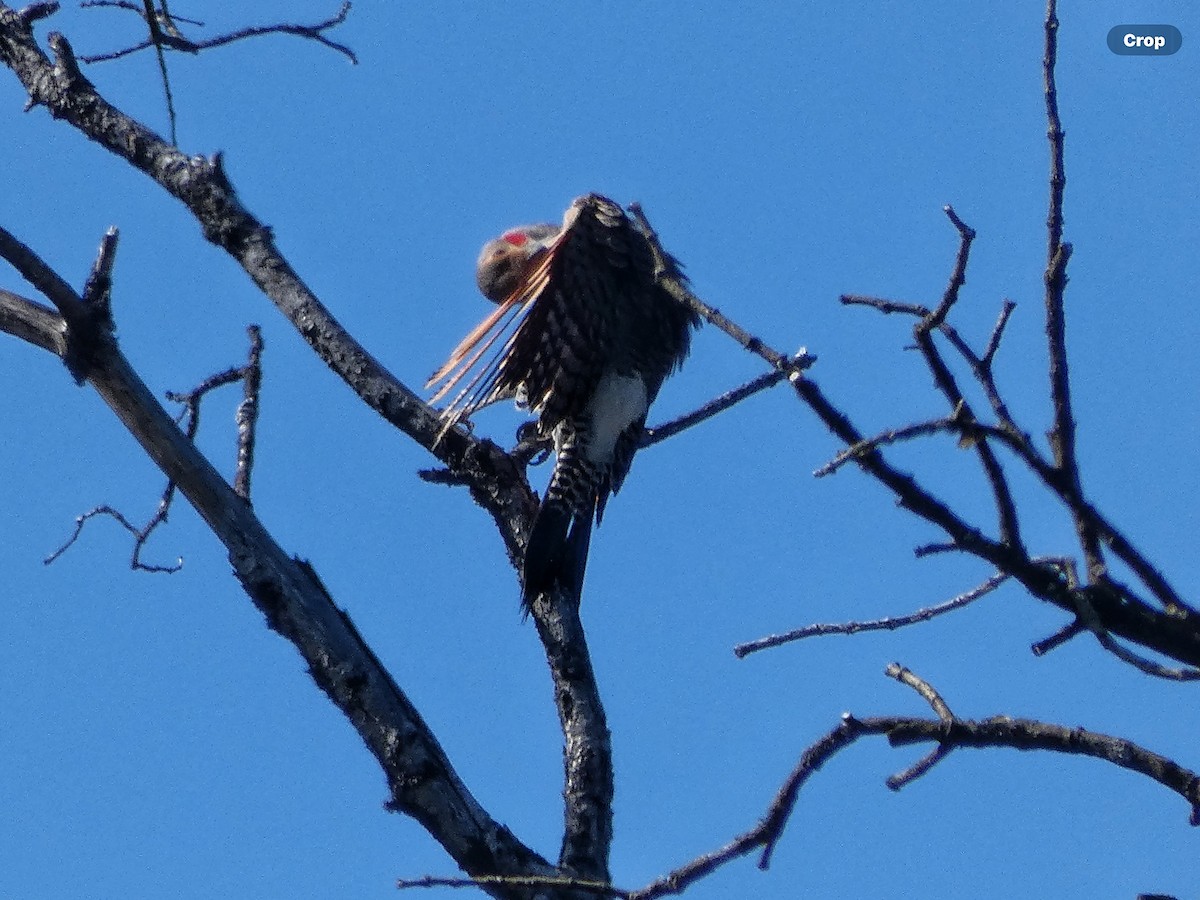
{"type": "Point", "coordinates": [158, 741]}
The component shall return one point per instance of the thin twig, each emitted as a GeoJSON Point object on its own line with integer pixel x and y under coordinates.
{"type": "Point", "coordinates": [948, 733]}
{"type": "Point", "coordinates": [599, 888]}
{"type": "Point", "coordinates": [141, 535]}
{"type": "Point", "coordinates": [1148, 666]}
{"type": "Point", "coordinates": [934, 699]}
{"type": "Point", "coordinates": [1062, 434]}
{"type": "Point", "coordinates": [910, 678]}
{"type": "Point", "coordinates": [179, 42]}
{"type": "Point", "coordinates": [936, 547]}
{"type": "Point", "coordinates": [191, 399]}
{"type": "Point", "coordinates": [1055, 134]}
{"type": "Point", "coordinates": [885, 438]}
{"type": "Point", "coordinates": [981, 366]}
{"type": "Point", "coordinates": [890, 623]}
{"type": "Point", "coordinates": [1009, 524]}
{"type": "Point", "coordinates": [997, 332]}
{"type": "Point", "coordinates": [958, 277]}
{"type": "Point", "coordinates": [1072, 629]}
{"type": "Point", "coordinates": [916, 770]}
{"type": "Point", "coordinates": [887, 307]}
{"type": "Point", "coordinates": [157, 39]}
{"type": "Point", "coordinates": [246, 416]}
{"type": "Point", "coordinates": [719, 404]}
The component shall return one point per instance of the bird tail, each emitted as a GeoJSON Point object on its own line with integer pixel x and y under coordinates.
{"type": "Point", "coordinates": [556, 555]}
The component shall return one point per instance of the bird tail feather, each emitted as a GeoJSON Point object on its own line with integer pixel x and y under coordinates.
{"type": "Point", "coordinates": [556, 555]}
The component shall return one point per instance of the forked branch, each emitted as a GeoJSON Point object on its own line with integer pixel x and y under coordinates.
{"type": "Point", "coordinates": [947, 732]}
{"type": "Point", "coordinates": [290, 595]}
{"type": "Point", "coordinates": [165, 33]}
{"type": "Point", "coordinates": [1151, 613]}
{"type": "Point", "coordinates": [496, 480]}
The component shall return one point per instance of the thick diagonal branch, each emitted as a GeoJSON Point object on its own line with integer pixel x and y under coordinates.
{"type": "Point", "coordinates": [288, 592]}
{"type": "Point", "coordinates": [201, 185]}
{"type": "Point", "coordinates": [496, 481]}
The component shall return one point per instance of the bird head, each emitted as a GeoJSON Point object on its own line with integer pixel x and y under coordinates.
{"type": "Point", "coordinates": [503, 260]}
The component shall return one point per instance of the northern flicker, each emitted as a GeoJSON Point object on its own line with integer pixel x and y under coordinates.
{"type": "Point", "coordinates": [584, 338]}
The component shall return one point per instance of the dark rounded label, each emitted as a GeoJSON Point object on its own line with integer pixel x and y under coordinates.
{"type": "Point", "coordinates": [1144, 40]}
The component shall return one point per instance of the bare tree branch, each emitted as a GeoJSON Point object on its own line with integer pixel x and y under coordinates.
{"type": "Point", "coordinates": [141, 535]}
{"type": "Point", "coordinates": [939, 706]}
{"type": "Point", "coordinates": [985, 364]}
{"type": "Point", "coordinates": [949, 733]}
{"type": "Point", "coordinates": [164, 34]}
{"type": "Point", "coordinates": [792, 367]}
{"type": "Point", "coordinates": [883, 439]}
{"type": "Point", "coordinates": [1087, 620]}
{"type": "Point", "coordinates": [33, 323]}
{"type": "Point", "coordinates": [295, 603]}
{"type": "Point", "coordinates": [101, 281]}
{"type": "Point", "coordinates": [981, 366]}
{"type": "Point", "coordinates": [890, 623]}
{"type": "Point", "coordinates": [496, 481]}
{"type": "Point", "coordinates": [1067, 632]}
{"type": "Point", "coordinates": [1115, 608]}
{"type": "Point", "coordinates": [1062, 434]}
{"type": "Point", "coordinates": [35, 11]}
{"type": "Point", "coordinates": [719, 404]}
{"type": "Point", "coordinates": [587, 750]}
{"type": "Point", "coordinates": [1171, 631]}
{"type": "Point", "coordinates": [576, 885]}
{"type": "Point", "coordinates": [1009, 527]}
{"type": "Point", "coordinates": [250, 375]}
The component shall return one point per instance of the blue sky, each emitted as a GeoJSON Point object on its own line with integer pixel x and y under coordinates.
{"type": "Point", "coordinates": [158, 741]}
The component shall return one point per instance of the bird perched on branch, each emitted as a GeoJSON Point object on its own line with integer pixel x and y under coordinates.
{"type": "Point", "coordinates": [583, 336]}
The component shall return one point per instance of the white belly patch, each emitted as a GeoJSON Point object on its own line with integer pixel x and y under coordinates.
{"type": "Point", "coordinates": [619, 401]}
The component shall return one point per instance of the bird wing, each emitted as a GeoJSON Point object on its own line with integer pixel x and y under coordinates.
{"type": "Point", "coordinates": [549, 336]}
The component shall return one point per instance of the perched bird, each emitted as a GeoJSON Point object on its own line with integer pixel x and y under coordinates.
{"type": "Point", "coordinates": [584, 338]}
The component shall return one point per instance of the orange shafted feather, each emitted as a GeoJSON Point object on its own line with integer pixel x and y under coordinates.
{"type": "Point", "coordinates": [464, 347]}
{"type": "Point", "coordinates": [458, 359]}
{"type": "Point", "coordinates": [466, 356]}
